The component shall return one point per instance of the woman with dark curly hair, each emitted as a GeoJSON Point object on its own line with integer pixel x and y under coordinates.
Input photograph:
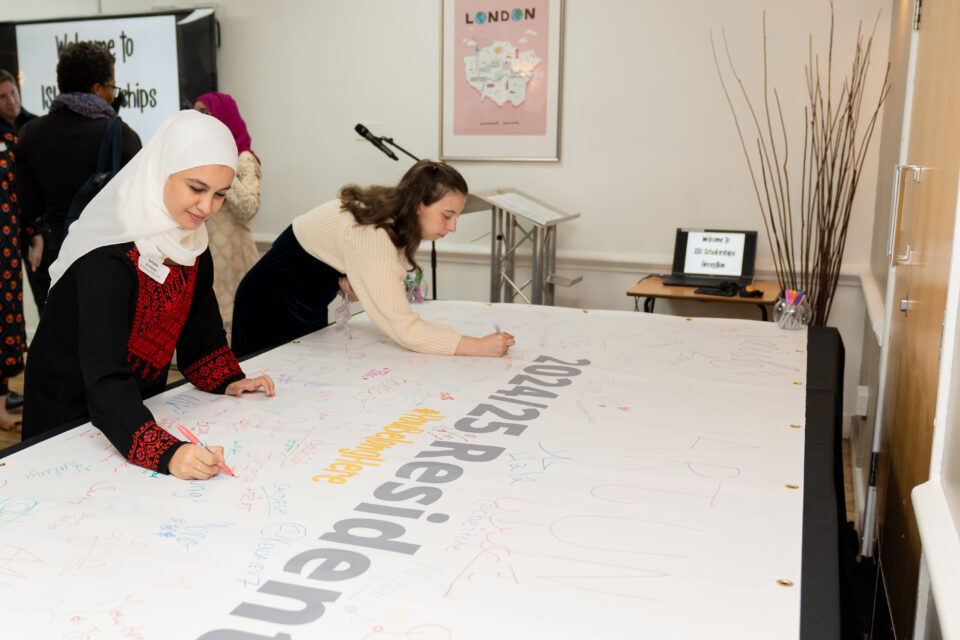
{"type": "Point", "coordinates": [362, 243]}
{"type": "Point", "coordinates": [58, 152]}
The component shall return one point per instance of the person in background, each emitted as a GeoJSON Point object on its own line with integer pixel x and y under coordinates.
{"type": "Point", "coordinates": [12, 113]}
{"type": "Point", "coordinates": [133, 283]}
{"type": "Point", "coordinates": [58, 151]}
{"type": "Point", "coordinates": [360, 243]}
{"type": "Point", "coordinates": [231, 241]}
{"type": "Point", "coordinates": [15, 232]}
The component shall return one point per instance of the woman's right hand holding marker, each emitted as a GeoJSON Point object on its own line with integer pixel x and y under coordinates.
{"type": "Point", "coordinates": [494, 345]}
{"type": "Point", "coordinates": [193, 462]}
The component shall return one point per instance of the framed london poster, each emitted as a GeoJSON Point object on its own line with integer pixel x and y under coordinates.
{"type": "Point", "coordinates": [500, 80]}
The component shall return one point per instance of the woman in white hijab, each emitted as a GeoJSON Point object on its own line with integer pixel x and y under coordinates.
{"type": "Point", "coordinates": [132, 283]}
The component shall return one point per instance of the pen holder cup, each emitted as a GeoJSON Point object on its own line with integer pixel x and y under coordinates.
{"type": "Point", "coordinates": [788, 316]}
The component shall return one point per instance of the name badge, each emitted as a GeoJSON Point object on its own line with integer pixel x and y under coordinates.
{"type": "Point", "coordinates": [154, 267]}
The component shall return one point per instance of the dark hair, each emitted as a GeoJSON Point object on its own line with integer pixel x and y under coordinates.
{"type": "Point", "coordinates": [6, 76]}
{"type": "Point", "coordinates": [82, 65]}
{"type": "Point", "coordinates": [394, 209]}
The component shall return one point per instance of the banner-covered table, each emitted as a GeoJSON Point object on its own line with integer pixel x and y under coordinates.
{"type": "Point", "coordinates": [615, 476]}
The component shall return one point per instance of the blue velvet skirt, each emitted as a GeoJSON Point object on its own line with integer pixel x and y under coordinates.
{"type": "Point", "coordinates": [283, 297]}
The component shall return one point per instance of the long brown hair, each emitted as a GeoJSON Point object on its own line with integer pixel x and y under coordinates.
{"type": "Point", "coordinates": [394, 209]}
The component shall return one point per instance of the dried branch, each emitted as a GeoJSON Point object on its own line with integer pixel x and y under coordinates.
{"type": "Point", "coordinates": [834, 150]}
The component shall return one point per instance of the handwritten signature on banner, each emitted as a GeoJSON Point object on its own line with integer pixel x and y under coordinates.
{"type": "Point", "coordinates": [524, 466]}
{"type": "Point", "coordinates": [418, 632]}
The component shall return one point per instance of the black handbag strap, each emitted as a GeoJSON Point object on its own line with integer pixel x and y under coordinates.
{"type": "Point", "coordinates": [110, 147]}
{"type": "Point", "coordinates": [117, 143]}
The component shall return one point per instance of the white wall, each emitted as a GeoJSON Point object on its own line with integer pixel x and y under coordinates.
{"type": "Point", "coordinates": [647, 140]}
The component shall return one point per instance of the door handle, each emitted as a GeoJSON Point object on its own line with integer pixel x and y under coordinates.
{"type": "Point", "coordinates": [896, 208]}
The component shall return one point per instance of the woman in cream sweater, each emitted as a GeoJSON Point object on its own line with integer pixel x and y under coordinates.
{"type": "Point", "coordinates": [361, 242]}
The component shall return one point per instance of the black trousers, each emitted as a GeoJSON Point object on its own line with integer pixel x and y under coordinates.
{"type": "Point", "coordinates": [40, 279]}
{"type": "Point", "coordinates": [283, 297]}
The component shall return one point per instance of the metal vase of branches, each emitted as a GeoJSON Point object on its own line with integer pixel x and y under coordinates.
{"type": "Point", "coordinates": [807, 238]}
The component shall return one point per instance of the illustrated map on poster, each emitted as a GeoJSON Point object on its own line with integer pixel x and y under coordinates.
{"type": "Point", "coordinates": [604, 480]}
{"type": "Point", "coordinates": [500, 72]}
{"type": "Point", "coordinates": [500, 69]}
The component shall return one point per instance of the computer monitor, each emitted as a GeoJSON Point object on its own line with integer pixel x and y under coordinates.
{"type": "Point", "coordinates": [704, 257]}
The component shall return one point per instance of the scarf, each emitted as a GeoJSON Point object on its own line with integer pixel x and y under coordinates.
{"type": "Point", "coordinates": [130, 207]}
{"type": "Point", "coordinates": [86, 104]}
{"type": "Point", "coordinates": [224, 108]}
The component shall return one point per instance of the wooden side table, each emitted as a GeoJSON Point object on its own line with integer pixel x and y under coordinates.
{"type": "Point", "coordinates": [652, 287]}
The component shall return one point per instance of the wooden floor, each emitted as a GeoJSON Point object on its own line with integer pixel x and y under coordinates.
{"type": "Point", "coordinates": [852, 516]}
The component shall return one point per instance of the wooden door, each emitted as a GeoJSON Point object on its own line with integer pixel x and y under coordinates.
{"type": "Point", "coordinates": [921, 282]}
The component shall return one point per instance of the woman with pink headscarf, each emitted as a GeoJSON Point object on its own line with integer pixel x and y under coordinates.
{"type": "Point", "coordinates": [231, 241]}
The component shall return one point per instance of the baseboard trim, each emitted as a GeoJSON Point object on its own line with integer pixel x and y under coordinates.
{"type": "Point", "coordinates": [873, 300]}
{"type": "Point", "coordinates": [602, 261]}
{"type": "Point", "coordinates": [633, 263]}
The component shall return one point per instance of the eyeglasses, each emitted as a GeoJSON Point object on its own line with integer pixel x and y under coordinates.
{"type": "Point", "coordinates": [113, 88]}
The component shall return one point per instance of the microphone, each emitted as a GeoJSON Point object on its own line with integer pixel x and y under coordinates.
{"type": "Point", "coordinates": [375, 141]}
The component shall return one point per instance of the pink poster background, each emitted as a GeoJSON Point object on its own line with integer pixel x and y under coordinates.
{"type": "Point", "coordinates": [471, 116]}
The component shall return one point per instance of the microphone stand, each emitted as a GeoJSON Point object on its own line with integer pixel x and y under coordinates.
{"type": "Point", "coordinates": [392, 143]}
{"type": "Point", "coordinates": [433, 244]}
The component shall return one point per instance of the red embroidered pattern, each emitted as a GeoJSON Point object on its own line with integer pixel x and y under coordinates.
{"type": "Point", "coordinates": [149, 443]}
{"type": "Point", "coordinates": [160, 315]}
{"type": "Point", "coordinates": [210, 372]}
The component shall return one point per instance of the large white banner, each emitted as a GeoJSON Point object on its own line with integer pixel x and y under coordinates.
{"type": "Point", "coordinates": [617, 475]}
{"type": "Point", "coordinates": [146, 68]}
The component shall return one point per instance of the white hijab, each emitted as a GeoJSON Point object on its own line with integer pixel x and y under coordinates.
{"type": "Point", "coordinates": [130, 206]}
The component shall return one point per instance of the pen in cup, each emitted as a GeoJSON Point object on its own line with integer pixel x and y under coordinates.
{"type": "Point", "coordinates": [195, 440]}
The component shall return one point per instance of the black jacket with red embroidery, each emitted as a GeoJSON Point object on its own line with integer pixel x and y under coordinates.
{"type": "Point", "coordinates": [105, 343]}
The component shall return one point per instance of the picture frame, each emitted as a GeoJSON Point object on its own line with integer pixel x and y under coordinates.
{"type": "Point", "coordinates": [502, 103]}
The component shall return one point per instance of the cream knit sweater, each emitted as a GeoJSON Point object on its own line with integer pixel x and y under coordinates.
{"type": "Point", "coordinates": [376, 269]}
